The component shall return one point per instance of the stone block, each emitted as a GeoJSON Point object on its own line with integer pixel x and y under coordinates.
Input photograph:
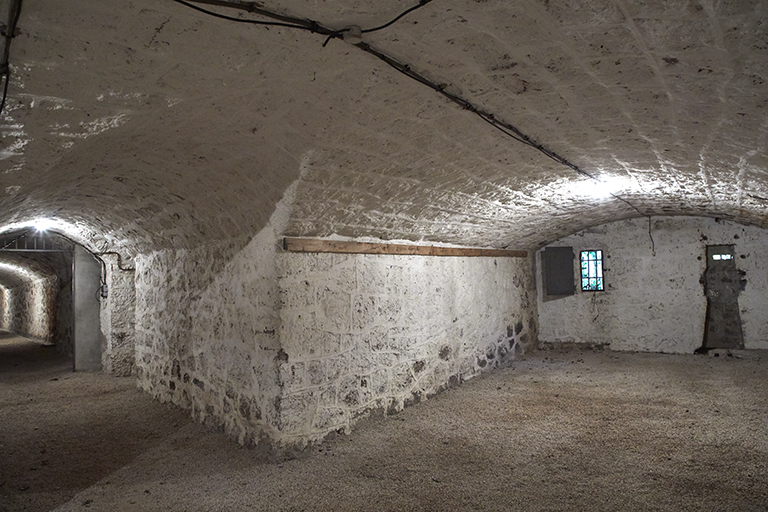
{"type": "Point", "coordinates": [371, 276]}
{"type": "Point", "coordinates": [296, 412]}
{"type": "Point", "coordinates": [292, 375]}
{"type": "Point", "coordinates": [316, 373]}
{"type": "Point", "coordinates": [388, 310]}
{"type": "Point", "coordinates": [380, 382]}
{"type": "Point", "coordinates": [349, 391]}
{"type": "Point", "coordinates": [364, 312]}
{"type": "Point", "coordinates": [376, 338]}
{"type": "Point", "coordinates": [329, 418]}
{"type": "Point", "coordinates": [334, 311]}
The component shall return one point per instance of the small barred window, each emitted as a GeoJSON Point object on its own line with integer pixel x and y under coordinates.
{"type": "Point", "coordinates": [592, 271]}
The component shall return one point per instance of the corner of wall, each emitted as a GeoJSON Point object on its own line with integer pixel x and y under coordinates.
{"type": "Point", "coordinates": [118, 319]}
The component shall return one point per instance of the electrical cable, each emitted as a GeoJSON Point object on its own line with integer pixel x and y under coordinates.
{"type": "Point", "coordinates": [288, 21]}
{"type": "Point", "coordinates": [422, 3]}
{"type": "Point", "coordinates": [103, 265]}
{"type": "Point", "coordinates": [119, 261]}
{"type": "Point", "coordinates": [102, 273]}
{"type": "Point", "coordinates": [650, 235]}
{"type": "Point", "coordinates": [292, 23]}
{"type": "Point", "coordinates": [506, 128]}
{"type": "Point", "coordinates": [10, 33]}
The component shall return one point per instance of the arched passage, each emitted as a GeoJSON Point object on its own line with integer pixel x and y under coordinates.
{"type": "Point", "coordinates": [57, 291]}
{"type": "Point", "coordinates": [36, 290]}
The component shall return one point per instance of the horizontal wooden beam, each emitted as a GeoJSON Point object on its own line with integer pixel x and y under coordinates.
{"type": "Point", "coordinates": [338, 246]}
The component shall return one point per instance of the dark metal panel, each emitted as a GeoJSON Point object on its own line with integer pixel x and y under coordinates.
{"type": "Point", "coordinates": [558, 271]}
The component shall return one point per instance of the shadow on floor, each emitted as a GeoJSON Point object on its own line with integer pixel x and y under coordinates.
{"type": "Point", "coordinates": [61, 432]}
{"type": "Point", "coordinates": [22, 357]}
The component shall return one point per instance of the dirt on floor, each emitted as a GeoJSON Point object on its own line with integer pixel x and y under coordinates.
{"type": "Point", "coordinates": [557, 430]}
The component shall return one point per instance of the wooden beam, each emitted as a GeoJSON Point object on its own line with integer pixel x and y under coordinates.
{"type": "Point", "coordinates": [338, 246]}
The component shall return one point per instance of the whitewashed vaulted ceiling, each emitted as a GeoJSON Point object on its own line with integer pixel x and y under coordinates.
{"type": "Point", "coordinates": [146, 124]}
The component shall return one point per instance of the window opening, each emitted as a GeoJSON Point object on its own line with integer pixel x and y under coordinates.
{"type": "Point", "coordinates": [592, 271]}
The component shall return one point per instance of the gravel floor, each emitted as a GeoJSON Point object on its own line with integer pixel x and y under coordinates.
{"type": "Point", "coordinates": [559, 430]}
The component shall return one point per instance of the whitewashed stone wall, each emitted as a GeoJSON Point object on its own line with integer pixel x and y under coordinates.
{"type": "Point", "coordinates": [4, 312]}
{"type": "Point", "coordinates": [295, 354]}
{"type": "Point", "coordinates": [118, 315]}
{"type": "Point", "coordinates": [30, 308]}
{"type": "Point", "coordinates": [206, 333]}
{"type": "Point", "coordinates": [655, 301]}
{"type": "Point", "coordinates": [363, 333]}
{"type": "Point", "coordinates": [6, 301]}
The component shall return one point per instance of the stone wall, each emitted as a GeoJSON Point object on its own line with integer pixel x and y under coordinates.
{"type": "Point", "coordinates": [65, 311]}
{"type": "Point", "coordinates": [206, 333]}
{"type": "Point", "coordinates": [30, 308]}
{"type": "Point", "coordinates": [295, 346]}
{"type": "Point", "coordinates": [654, 300]}
{"type": "Point", "coordinates": [5, 308]}
{"type": "Point", "coordinates": [363, 333]}
{"type": "Point", "coordinates": [118, 316]}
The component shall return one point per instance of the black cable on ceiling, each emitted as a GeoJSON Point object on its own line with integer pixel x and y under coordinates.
{"type": "Point", "coordinates": [422, 3]}
{"type": "Point", "coordinates": [288, 21]}
{"type": "Point", "coordinates": [504, 127]}
{"type": "Point", "coordinates": [313, 26]}
{"type": "Point", "coordinates": [10, 32]}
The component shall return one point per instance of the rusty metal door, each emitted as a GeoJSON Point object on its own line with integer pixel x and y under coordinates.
{"type": "Point", "coordinates": [722, 284]}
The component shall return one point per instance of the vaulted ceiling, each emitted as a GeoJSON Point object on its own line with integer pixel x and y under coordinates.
{"type": "Point", "coordinates": [145, 124]}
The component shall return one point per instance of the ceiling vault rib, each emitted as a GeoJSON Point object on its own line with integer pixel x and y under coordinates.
{"type": "Point", "coordinates": [313, 26]}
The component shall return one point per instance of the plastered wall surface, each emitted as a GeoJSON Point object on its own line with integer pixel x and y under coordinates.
{"type": "Point", "coordinates": [372, 332]}
{"type": "Point", "coordinates": [654, 301]}
{"type": "Point", "coordinates": [118, 315]}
